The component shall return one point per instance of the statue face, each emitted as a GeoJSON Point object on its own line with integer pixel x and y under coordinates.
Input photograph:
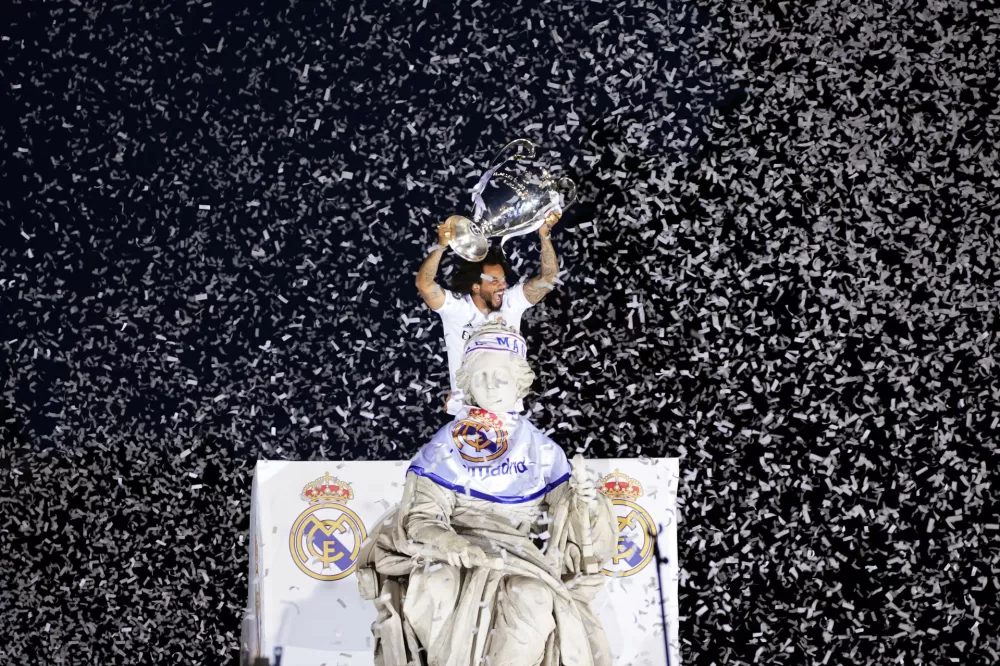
{"type": "Point", "coordinates": [492, 381]}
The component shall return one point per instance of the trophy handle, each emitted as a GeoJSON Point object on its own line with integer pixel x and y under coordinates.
{"type": "Point", "coordinates": [521, 148]}
{"type": "Point", "coordinates": [567, 189]}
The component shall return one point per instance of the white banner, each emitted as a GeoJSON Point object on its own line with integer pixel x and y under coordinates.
{"type": "Point", "coordinates": [303, 592]}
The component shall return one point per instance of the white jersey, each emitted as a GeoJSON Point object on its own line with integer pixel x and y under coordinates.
{"type": "Point", "coordinates": [460, 317]}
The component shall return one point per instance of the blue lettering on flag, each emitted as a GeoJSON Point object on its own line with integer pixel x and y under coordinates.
{"type": "Point", "coordinates": [505, 468]}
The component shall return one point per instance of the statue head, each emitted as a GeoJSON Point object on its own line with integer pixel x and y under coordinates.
{"type": "Point", "coordinates": [494, 372]}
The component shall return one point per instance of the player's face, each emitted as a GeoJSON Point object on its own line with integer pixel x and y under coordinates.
{"type": "Point", "coordinates": [493, 385]}
{"type": "Point", "coordinates": [492, 287]}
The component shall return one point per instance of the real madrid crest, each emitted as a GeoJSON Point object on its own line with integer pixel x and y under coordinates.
{"type": "Point", "coordinates": [480, 437]}
{"type": "Point", "coordinates": [636, 530]}
{"type": "Point", "coordinates": [326, 538]}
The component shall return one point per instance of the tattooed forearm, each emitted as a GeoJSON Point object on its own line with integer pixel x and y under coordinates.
{"type": "Point", "coordinates": [429, 290]}
{"type": "Point", "coordinates": [550, 263]}
{"type": "Point", "coordinates": [428, 270]}
{"type": "Point", "coordinates": [536, 288]}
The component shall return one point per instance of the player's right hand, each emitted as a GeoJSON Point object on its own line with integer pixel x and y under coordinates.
{"type": "Point", "coordinates": [446, 232]}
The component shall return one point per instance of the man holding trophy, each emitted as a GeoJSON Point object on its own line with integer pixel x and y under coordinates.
{"type": "Point", "coordinates": [515, 196]}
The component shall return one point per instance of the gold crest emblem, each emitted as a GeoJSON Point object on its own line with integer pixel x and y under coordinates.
{"type": "Point", "coordinates": [326, 537]}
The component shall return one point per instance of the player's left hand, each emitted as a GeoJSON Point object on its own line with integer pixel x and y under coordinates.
{"type": "Point", "coordinates": [550, 221]}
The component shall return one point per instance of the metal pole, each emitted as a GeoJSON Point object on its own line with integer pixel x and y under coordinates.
{"type": "Point", "coordinates": [659, 583]}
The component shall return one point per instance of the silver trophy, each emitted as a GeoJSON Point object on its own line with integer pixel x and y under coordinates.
{"type": "Point", "coordinates": [512, 198]}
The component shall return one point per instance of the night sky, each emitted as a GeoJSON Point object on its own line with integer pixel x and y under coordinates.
{"type": "Point", "coordinates": [783, 268]}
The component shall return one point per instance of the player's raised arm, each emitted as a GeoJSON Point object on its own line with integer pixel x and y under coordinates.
{"type": "Point", "coordinates": [536, 288]}
{"type": "Point", "coordinates": [429, 289]}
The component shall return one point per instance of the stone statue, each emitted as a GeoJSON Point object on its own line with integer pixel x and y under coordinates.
{"type": "Point", "coordinates": [494, 554]}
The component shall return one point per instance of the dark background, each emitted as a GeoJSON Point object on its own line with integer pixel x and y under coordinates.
{"type": "Point", "coordinates": [783, 268]}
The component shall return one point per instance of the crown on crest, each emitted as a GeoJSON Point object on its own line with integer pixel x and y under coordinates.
{"type": "Point", "coordinates": [620, 486]}
{"type": "Point", "coordinates": [487, 417]}
{"type": "Point", "coordinates": [327, 489]}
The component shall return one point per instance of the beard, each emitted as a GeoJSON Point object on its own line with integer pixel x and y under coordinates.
{"type": "Point", "coordinates": [492, 302]}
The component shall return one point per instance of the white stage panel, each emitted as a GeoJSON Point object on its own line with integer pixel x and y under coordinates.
{"type": "Point", "coordinates": [303, 592]}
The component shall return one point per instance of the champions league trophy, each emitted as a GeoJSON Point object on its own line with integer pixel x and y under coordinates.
{"type": "Point", "coordinates": [511, 199]}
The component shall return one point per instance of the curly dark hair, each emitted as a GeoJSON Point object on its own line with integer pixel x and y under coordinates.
{"type": "Point", "coordinates": [468, 273]}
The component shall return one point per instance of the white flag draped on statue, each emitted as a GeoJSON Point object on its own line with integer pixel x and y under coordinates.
{"type": "Point", "coordinates": [456, 458]}
{"type": "Point", "coordinates": [308, 520]}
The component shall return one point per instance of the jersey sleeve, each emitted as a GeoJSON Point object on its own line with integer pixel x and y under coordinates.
{"type": "Point", "coordinates": [451, 307]}
{"type": "Point", "coordinates": [515, 298]}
